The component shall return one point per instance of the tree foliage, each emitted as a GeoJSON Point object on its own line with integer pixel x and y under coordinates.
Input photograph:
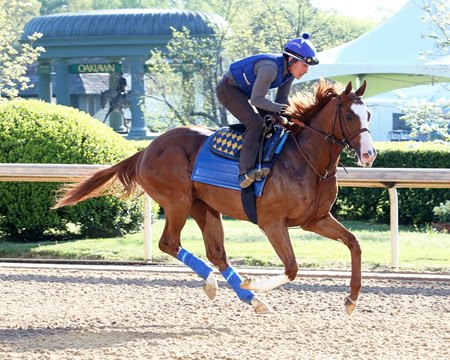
{"type": "Point", "coordinates": [36, 132]}
{"type": "Point", "coordinates": [14, 58]}
{"type": "Point", "coordinates": [432, 118]}
{"type": "Point", "coordinates": [192, 66]}
{"type": "Point", "coordinates": [184, 80]}
{"type": "Point", "coordinates": [428, 117]}
{"type": "Point", "coordinates": [437, 14]}
{"type": "Point", "coordinates": [183, 77]}
{"type": "Point", "coordinates": [60, 6]}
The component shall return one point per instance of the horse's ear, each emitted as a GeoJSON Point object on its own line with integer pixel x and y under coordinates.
{"type": "Point", "coordinates": [362, 89]}
{"type": "Point", "coordinates": [348, 89]}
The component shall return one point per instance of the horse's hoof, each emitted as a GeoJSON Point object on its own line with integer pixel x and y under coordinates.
{"type": "Point", "coordinates": [349, 305]}
{"type": "Point", "coordinates": [246, 284]}
{"type": "Point", "coordinates": [260, 307]}
{"type": "Point", "coordinates": [210, 288]}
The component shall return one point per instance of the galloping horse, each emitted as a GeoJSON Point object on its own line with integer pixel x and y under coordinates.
{"type": "Point", "coordinates": [299, 191]}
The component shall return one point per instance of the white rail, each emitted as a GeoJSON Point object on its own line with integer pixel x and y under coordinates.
{"type": "Point", "coordinates": [355, 177]}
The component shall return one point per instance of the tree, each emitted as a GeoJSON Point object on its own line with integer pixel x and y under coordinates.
{"type": "Point", "coordinates": [431, 118]}
{"type": "Point", "coordinates": [15, 58]}
{"type": "Point", "coordinates": [60, 6]}
{"type": "Point", "coordinates": [272, 23]}
{"type": "Point", "coordinates": [251, 27]}
{"type": "Point", "coordinates": [184, 80]}
{"type": "Point", "coordinates": [437, 14]}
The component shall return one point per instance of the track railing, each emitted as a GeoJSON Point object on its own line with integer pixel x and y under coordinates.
{"type": "Point", "coordinates": [388, 178]}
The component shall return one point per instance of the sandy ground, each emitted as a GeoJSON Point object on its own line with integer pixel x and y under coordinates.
{"type": "Point", "coordinates": [91, 314]}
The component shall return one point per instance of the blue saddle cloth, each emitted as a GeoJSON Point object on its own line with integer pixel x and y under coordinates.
{"type": "Point", "coordinates": [223, 170]}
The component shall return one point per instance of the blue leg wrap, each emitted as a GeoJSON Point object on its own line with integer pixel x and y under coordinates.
{"type": "Point", "coordinates": [235, 281]}
{"type": "Point", "coordinates": [198, 265]}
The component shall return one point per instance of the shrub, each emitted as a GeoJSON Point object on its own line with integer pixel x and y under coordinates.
{"type": "Point", "coordinates": [415, 205]}
{"type": "Point", "coordinates": [32, 131]}
{"type": "Point", "coordinates": [442, 212]}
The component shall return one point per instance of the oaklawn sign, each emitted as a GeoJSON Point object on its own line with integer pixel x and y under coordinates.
{"type": "Point", "coordinates": [95, 68]}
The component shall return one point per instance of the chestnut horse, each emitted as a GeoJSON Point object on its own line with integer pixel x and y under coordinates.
{"type": "Point", "coordinates": [299, 191]}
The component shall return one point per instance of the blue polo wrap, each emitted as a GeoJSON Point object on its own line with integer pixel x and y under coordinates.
{"type": "Point", "coordinates": [235, 281]}
{"type": "Point", "coordinates": [198, 265]}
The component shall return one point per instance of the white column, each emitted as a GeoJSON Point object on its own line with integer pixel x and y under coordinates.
{"type": "Point", "coordinates": [357, 82]}
{"type": "Point", "coordinates": [393, 199]}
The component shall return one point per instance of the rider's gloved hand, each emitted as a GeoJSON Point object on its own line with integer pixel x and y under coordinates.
{"type": "Point", "coordinates": [279, 119]}
{"type": "Point", "coordinates": [284, 111]}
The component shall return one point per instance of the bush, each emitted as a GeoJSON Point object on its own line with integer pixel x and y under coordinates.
{"type": "Point", "coordinates": [442, 212]}
{"type": "Point", "coordinates": [32, 131]}
{"type": "Point", "coordinates": [415, 205]}
{"type": "Point", "coordinates": [140, 144]}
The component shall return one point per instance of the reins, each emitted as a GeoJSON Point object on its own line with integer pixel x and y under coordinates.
{"type": "Point", "coordinates": [330, 138]}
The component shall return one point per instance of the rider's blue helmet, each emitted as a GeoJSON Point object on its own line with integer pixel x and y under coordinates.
{"type": "Point", "coordinates": [302, 49]}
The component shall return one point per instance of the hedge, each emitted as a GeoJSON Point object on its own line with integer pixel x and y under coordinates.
{"type": "Point", "coordinates": [415, 205]}
{"type": "Point", "coordinates": [36, 132]}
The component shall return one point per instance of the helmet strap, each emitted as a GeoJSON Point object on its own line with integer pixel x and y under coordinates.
{"type": "Point", "coordinates": [289, 63]}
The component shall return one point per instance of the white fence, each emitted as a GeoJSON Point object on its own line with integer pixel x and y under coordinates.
{"type": "Point", "coordinates": [390, 179]}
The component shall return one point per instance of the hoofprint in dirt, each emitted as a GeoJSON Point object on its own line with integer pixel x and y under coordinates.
{"type": "Point", "coordinates": [88, 314]}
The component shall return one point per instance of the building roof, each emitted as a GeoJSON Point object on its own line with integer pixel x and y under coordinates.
{"type": "Point", "coordinates": [115, 33]}
{"type": "Point", "coordinates": [122, 22]}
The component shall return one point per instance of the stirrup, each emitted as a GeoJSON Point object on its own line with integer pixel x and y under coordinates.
{"type": "Point", "coordinates": [261, 173]}
{"type": "Point", "coordinates": [250, 176]}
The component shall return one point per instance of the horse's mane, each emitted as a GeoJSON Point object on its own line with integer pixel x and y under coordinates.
{"type": "Point", "coordinates": [305, 105]}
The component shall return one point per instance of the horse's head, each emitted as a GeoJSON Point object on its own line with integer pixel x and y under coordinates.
{"type": "Point", "coordinates": [342, 118]}
{"type": "Point", "coordinates": [353, 120]}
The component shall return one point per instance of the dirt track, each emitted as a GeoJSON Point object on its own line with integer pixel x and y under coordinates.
{"type": "Point", "coordinates": [78, 314]}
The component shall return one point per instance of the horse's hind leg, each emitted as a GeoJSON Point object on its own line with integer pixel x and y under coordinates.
{"type": "Point", "coordinates": [170, 242]}
{"type": "Point", "coordinates": [331, 228]}
{"type": "Point", "coordinates": [210, 223]}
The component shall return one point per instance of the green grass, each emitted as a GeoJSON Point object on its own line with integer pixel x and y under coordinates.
{"type": "Point", "coordinates": [245, 244]}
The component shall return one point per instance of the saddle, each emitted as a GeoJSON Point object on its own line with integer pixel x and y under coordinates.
{"type": "Point", "coordinates": [227, 142]}
{"type": "Point", "coordinates": [218, 161]}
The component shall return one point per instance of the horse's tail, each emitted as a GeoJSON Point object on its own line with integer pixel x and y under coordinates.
{"type": "Point", "coordinates": [118, 180]}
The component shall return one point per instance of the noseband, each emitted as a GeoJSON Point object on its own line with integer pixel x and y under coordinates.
{"type": "Point", "coordinates": [341, 143]}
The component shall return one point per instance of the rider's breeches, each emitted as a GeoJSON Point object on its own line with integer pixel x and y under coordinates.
{"type": "Point", "coordinates": [237, 103]}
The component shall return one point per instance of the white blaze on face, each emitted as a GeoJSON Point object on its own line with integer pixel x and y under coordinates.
{"type": "Point", "coordinates": [366, 152]}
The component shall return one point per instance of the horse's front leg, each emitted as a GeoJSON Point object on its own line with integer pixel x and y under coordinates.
{"type": "Point", "coordinates": [331, 228]}
{"type": "Point", "coordinates": [210, 223]}
{"type": "Point", "coordinates": [278, 236]}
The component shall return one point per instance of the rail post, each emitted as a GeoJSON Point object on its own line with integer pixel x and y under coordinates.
{"type": "Point", "coordinates": [147, 228]}
{"type": "Point", "coordinates": [393, 199]}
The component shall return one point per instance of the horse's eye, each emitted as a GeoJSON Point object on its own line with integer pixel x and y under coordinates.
{"type": "Point", "coordinates": [349, 117]}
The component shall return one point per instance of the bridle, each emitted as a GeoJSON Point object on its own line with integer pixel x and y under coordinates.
{"type": "Point", "coordinates": [330, 138]}
{"type": "Point", "coordinates": [344, 128]}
